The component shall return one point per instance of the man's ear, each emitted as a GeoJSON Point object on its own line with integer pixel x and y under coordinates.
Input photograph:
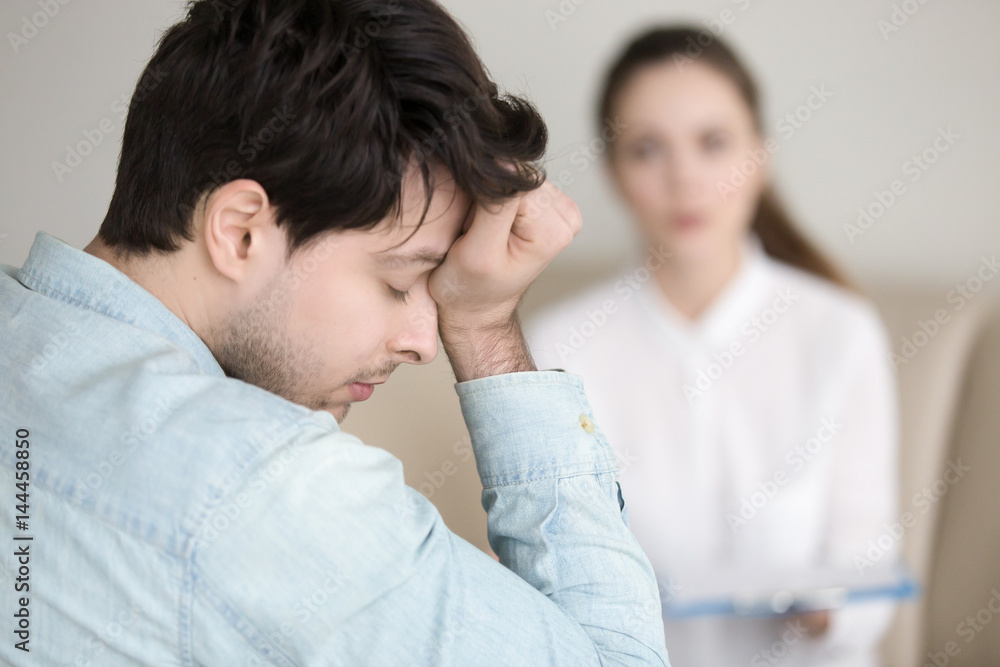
{"type": "Point", "coordinates": [240, 231]}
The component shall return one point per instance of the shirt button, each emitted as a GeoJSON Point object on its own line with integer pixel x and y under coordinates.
{"type": "Point", "coordinates": [587, 423]}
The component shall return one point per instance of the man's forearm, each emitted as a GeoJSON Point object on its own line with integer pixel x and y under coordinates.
{"type": "Point", "coordinates": [476, 354]}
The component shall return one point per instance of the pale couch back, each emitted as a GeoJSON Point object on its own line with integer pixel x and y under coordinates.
{"type": "Point", "coordinates": [965, 571]}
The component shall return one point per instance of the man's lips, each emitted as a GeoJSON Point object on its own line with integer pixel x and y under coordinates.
{"type": "Point", "coordinates": [362, 391]}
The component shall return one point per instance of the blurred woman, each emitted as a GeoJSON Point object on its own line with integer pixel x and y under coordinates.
{"type": "Point", "coordinates": [744, 385]}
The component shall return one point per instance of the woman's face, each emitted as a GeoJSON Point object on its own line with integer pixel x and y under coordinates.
{"type": "Point", "coordinates": [683, 162]}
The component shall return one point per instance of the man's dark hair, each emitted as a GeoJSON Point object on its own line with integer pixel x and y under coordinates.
{"type": "Point", "coordinates": [325, 103]}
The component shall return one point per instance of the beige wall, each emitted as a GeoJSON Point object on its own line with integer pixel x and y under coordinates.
{"type": "Point", "coordinates": [890, 95]}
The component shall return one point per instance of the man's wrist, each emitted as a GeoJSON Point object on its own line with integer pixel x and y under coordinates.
{"type": "Point", "coordinates": [482, 352]}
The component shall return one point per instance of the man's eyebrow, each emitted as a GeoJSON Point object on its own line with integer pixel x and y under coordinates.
{"type": "Point", "coordinates": [427, 256]}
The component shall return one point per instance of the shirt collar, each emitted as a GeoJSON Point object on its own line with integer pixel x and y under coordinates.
{"type": "Point", "coordinates": [719, 325]}
{"type": "Point", "coordinates": [60, 271]}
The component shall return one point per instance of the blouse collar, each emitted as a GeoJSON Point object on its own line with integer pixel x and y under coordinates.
{"type": "Point", "coordinates": [719, 325]}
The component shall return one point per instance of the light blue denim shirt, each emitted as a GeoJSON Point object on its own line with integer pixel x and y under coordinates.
{"type": "Point", "coordinates": [170, 515]}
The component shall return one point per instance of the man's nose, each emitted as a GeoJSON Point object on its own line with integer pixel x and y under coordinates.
{"type": "Point", "coordinates": [417, 342]}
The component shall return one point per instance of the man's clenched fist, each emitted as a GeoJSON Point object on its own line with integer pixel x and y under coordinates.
{"type": "Point", "coordinates": [486, 272]}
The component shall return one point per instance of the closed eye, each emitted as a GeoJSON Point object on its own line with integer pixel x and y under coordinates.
{"type": "Point", "coordinates": [398, 295]}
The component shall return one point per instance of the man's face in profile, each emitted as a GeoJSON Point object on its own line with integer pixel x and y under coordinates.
{"type": "Point", "coordinates": [345, 311]}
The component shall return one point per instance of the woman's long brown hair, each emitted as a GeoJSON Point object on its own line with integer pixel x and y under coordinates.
{"type": "Point", "coordinates": [778, 234]}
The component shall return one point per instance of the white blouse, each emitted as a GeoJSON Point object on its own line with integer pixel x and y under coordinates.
{"type": "Point", "coordinates": [763, 434]}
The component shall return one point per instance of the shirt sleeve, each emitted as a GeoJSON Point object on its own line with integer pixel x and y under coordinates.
{"type": "Point", "coordinates": [326, 557]}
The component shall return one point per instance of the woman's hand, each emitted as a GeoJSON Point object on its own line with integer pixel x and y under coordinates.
{"type": "Point", "coordinates": [816, 623]}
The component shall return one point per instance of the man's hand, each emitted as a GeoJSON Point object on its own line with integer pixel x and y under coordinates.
{"type": "Point", "coordinates": [487, 271]}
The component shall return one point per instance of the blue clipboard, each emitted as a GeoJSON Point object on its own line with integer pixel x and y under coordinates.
{"type": "Point", "coordinates": [801, 592]}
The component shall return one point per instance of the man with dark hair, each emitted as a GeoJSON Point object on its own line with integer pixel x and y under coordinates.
{"type": "Point", "coordinates": [309, 193]}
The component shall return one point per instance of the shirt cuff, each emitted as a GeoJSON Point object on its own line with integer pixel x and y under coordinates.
{"type": "Point", "coordinates": [531, 426]}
